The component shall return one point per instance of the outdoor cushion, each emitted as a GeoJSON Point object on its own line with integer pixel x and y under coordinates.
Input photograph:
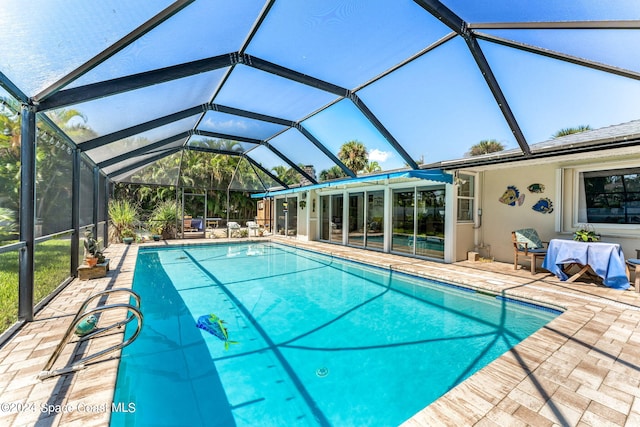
{"type": "Point", "coordinates": [530, 237]}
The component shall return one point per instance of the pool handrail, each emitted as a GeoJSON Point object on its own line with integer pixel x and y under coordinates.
{"type": "Point", "coordinates": [82, 313]}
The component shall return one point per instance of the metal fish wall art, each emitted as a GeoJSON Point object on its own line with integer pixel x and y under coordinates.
{"type": "Point", "coordinates": [512, 196]}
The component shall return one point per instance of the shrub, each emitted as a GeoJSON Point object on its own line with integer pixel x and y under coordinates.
{"type": "Point", "coordinates": [163, 219]}
{"type": "Point", "coordinates": [8, 225]}
{"type": "Point", "coordinates": [123, 215]}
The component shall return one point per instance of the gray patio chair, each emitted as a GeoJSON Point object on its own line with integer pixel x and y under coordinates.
{"type": "Point", "coordinates": [527, 243]}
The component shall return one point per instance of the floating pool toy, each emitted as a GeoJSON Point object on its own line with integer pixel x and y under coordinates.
{"type": "Point", "coordinates": [214, 325]}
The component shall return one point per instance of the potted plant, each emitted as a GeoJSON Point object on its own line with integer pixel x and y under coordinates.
{"type": "Point", "coordinates": [123, 215]}
{"type": "Point", "coordinates": [586, 233]}
{"type": "Point", "coordinates": [92, 253]}
{"type": "Point", "coordinates": [163, 220]}
{"type": "Point", "coordinates": [128, 235]}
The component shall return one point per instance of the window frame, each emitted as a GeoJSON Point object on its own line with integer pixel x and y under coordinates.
{"type": "Point", "coordinates": [471, 198]}
{"type": "Point", "coordinates": [578, 198]}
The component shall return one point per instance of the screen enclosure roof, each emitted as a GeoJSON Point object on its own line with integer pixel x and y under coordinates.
{"type": "Point", "coordinates": [279, 86]}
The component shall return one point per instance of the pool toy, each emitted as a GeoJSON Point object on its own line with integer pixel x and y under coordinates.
{"type": "Point", "coordinates": [215, 326]}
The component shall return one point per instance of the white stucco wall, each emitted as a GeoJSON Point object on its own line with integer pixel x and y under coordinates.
{"type": "Point", "coordinates": [499, 219]}
{"type": "Point", "coordinates": [558, 175]}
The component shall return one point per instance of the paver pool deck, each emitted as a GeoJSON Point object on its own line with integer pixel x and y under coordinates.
{"type": "Point", "coordinates": [581, 369]}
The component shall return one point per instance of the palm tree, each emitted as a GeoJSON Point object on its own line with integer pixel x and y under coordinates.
{"type": "Point", "coordinates": [372, 167]}
{"type": "Point", "coordinates": [287, 175]}
{"type": "Point", "coordinates": [333, 172]}
{"type": "Point", "coordinates": [485, 146]}
{"type": "Point", "coordinates": [354, 155]}
{"type": "Point", "coordinates": [570, 131]}
{"type": "Point", "coordinates": [74, 124]}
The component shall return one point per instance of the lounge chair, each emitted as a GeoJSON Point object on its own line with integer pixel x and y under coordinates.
{"type": "Point", "coordinates": [633, 264]}
{"type": "Point", "coordinates": [527, 243]}
{"type": "Point", "coordinates": [234, 229]}
{"type": "Point", "coordinates": [253, 226]}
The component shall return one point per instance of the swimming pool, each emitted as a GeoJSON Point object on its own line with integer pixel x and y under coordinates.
{"type": "Point", "coordinates": [320, 341]}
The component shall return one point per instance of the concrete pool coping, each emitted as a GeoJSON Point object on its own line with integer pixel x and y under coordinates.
{"type": "Point", "coordinates": [583, 368]}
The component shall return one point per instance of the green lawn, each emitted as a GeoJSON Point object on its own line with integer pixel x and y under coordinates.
{"type": "Point", "coordinates": [52, 266]}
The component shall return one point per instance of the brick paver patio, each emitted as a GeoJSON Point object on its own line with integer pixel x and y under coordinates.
{"type": "Point", "coordinates": [582, 369]}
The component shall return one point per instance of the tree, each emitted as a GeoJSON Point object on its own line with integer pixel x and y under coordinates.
{"type": "Point", "coordinates": [333, 172]}
{"type": "Point", "coordinates": [287, 175]}
{"type": "Point", "coordinates": [372, 167]}
{"type": "Point", "coordinates": [570, 131]}
{"type": "Point", "coordinates": [354, 155]}
{"type": "Point", "coordinates": [485, 146]}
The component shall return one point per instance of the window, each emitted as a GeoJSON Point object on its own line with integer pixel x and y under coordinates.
{"type": "Point", "coordinates": [465, 197]}
{"type": "Point", "coordinates": [610, 196]}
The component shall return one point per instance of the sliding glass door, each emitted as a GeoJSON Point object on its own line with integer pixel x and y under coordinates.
{"type": "Point", "coordinates": [430, 223]}
{"type": "Point", "coordinates": [375, 220]}
{"type": "Point", "coordinates": [356, 219]}
{"type": "Point", "coordinates": [325, 218]}
{"type": "Point", "coordinates": [403, 221]}
{"type": "Point", "coordinates": [337, 223]}
{"type": "Point", "coordinates": [418, 222]}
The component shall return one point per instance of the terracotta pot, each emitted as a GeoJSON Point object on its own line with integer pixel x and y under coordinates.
{"type": "Point", "coordinates": [91, 262]}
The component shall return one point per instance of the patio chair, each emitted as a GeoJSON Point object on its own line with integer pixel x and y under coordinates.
{"type": "Point", "coordinates": [252, 226]}
{"type": "Point", "coordinates": [234, 229]}
{"type": "Point", "coordinates": [633, 264]}
{"type": "Point", "coordinates": [527, 243]}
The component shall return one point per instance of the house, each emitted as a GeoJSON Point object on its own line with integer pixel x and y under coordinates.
{"type": "Point", "coordinates": [472, 204]}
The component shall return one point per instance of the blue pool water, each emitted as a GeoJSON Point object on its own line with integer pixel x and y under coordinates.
{"type": "Point", "coordinates": [320, 341]}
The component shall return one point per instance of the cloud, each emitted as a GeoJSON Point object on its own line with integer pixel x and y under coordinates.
{"type": "Point", "coordinates": [379, 156]}
{"type": "Point", "coordinates": [227, 125]}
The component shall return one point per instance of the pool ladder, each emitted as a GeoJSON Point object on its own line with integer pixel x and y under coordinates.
{"type": "Point", "coordinates": [133, 312]}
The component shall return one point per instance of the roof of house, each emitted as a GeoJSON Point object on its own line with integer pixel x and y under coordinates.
{"type": "Point", "coordinates": [609, 137]}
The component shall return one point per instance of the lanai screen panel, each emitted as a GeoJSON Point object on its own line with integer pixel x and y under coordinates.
{"type": "Point", "coordinates": [246, 178]}
{"type": "Point", "coordinates": [344, 122]}
{"type": "Point", "coordinates": [266, 180]}
{"type": "Point", "coordinates": [121, 111]}
{"type": "Point", "coordinates": [331, 67]}
{"type": "Point", "coordinates": [161, 172]}
{"type": "Point", "coordinates": [207, 170]}
{"type": "Point", "coordinates": [441, 118]}
{"type": "Point", "coordinates": [54, 182]}
{"type": "Point", "coordinates": [548, 95]}
{"type": "Point", "coordinates": [86, 193]}
{"type": "Point", "coordinates": [132, 163]}
{"type": "Point", "coordinates": [234, 125]}
{"type": "Point", "coordinates": [45, 40]}
{"type": "Point", "coordinates": [219, 144]}
{"type": "Point", "coordinates": [301, 151]}
{"type": "Point", "coordinates": [619, 48]}
{"type": "Point", "coordinates": [202, 29]}
{"type": "Point", "coordinates": [542, 10]}
{"type": "Point", "coordinates": [344, 43]}
{"type": "Point", "coordinates": [273, 163]}
{"type": "Point", "coordinates": [146, 139]}
{"type": "Point", "coordinates": [265, 93]}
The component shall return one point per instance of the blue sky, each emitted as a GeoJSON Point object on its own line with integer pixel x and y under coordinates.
{"type": "Point", "coordinates": [436, 107]}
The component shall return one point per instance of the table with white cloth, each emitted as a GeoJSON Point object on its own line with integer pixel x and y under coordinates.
{"type": "Point", "coordinates": [196, 223]}
{"type": "Point", "coordinates": [605, 259]}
